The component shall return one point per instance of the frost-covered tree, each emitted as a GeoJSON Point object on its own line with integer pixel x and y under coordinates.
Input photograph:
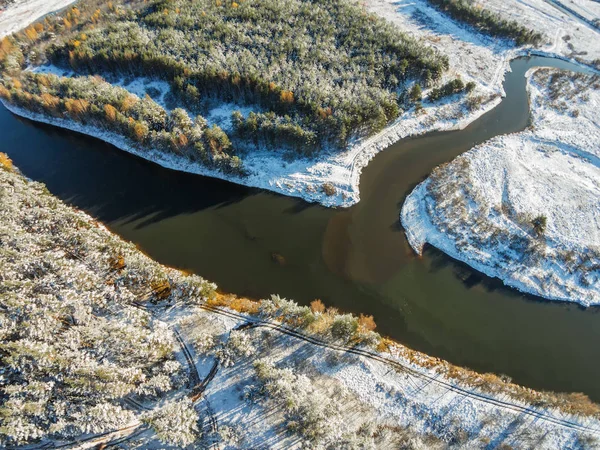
{"type": "Point", "coordinates": [74, 345]}
{"type": "Point", "coordinates": [176, 423]}
{"type": "Point", "coordinates": [238, 345]}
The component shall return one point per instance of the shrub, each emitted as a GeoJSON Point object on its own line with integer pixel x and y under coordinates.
{"type": "Point", "coordinates": [317, 306]}
{"type": "Point", "coordinates": [6, 162]}
{"type": "Point", "coordinates": [474, 102]}
{"type": "Point", "coordinates": [539, 224]}
{"type": "Point", "coordinates": [415, 94]}
{"type": "Point", "coordinates": [176, 423]}
{"type": "Point", "coordinates": [366, 323]}
{"type": "Point", "coordinates": [329, 189]}
{"type": "Point", "coordinates": [344, 327]}
{"type": "Point", "coordinates": [238, 345]}
{"type": "Point", "coordinates": [452, 87]}
{"type": "Point", "coordinates": [308, 413]}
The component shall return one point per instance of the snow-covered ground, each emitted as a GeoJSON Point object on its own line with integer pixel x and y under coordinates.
{"type": "Point", "coordinates": [481, 208]}
{"type": "Point", "coordinates": [22, 12]}
{"type": "Point", "coordinates": [421, 409]}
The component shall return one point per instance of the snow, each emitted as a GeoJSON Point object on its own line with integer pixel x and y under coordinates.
{"type": "Point", "coordinates": [23, 12]}
{"type": "Point", "coordinates": [479, 208]}
{"type": "Point", "coordinates": [369, 391]}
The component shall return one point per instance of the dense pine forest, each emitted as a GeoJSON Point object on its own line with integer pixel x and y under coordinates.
{"type": "Point", "coordinates": [315, 73]}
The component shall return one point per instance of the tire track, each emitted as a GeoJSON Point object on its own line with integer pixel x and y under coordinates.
{"type": "Point", "coordinates": [251, 322]}
{"type": "Point", "coordinates": [194, 375]}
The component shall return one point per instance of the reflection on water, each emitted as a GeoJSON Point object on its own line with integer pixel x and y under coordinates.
{"type": "Point", "coordinates": [255, 243]}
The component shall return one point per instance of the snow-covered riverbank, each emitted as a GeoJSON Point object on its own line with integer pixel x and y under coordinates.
{"type": "Point", "coordinates": [525, 207]}
{"type": "Point", "coordinates": [77, 293]}
{"type": "Point", "coordinates": [272, 170]}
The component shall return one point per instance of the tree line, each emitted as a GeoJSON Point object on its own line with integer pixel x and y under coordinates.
{"type": "Point", "coordinates": [488, 22]}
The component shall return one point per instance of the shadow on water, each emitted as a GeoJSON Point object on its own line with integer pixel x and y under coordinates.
{"type": "Point", "coordinates": [255, 243]}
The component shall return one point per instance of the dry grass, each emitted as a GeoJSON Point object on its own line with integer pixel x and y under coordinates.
{"type": "Point", "coordinates": [161, 289]}
{"type": "Point", "coordinates": [234, 302]}
{"type": "Point", "coordinates": [366, 323]}
{"type": "Point", "coordinates": [572, 403]}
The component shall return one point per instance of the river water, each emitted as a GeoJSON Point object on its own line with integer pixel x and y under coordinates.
{"type": "Point", "coordinates": [254, 243]}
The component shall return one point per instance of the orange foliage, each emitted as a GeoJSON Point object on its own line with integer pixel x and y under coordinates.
{"type": "Point", "coordinates": [5, 48]}
{"type": "Point", "coordinates": [384, 345]}
{"type": "Point", "coordinates": [6, 162]}
{"type": "Point", "coordinates": [317, 306]}
{"type": "Point", "coordinates": [4, 93]}
{"type": "Point", "coordinates": [324, 112]}
{"type": "Point", "coordinates": [182, 140]}
{"type": "Point", "coordinates": [31, 34]}
{"type": "Point", "coordinates": [128, 103]}
{"type": "Point", "coordinates": [234, 5]}
{"type": "Point", "coordinates": [39, 27]}
{"type": "Point", "coordinates": [95, 16]}
{"type": "Point", "coordinates": [140, 131]}
{"type": "Point", "coordinates": [72, 58]}
{"type": "Point", "coordinates": [287, 96]}
{"type": "Point", "coordinates": [242, 305]}
{"type": "Point", "coordinates": [67, 23]}
{"type": "Point", "coordinates": [43, 80]}
{"type": "Point", "coordinates": [366, 323]}
{"type": "Point", "coordinates": [111, 112]}
{"type": "Point", "coordinates": [76, 107]}
{"type": "Point", "coordinates": [76, 43]}
{"type": "Point", "coordinates": [17, 84]}
{"type": "Point", "coordinates": [49, 101]}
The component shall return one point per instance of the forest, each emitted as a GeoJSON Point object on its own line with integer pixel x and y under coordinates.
{"type": "Point", "coordinates": [315, 74]}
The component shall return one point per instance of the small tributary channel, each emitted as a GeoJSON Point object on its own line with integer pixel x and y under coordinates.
{"type": "Point", "coordinates": [255, 243]}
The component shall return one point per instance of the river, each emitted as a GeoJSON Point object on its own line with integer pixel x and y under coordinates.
{"type": "Point", "coordinates": [254, 243]}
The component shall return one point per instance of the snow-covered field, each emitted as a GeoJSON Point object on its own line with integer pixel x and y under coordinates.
{"type": "Point", "coordinates": [482, 207]}
{"type": "Point", "coordinates": [22, 12]}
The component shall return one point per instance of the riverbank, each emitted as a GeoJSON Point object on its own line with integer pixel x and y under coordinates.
{"type": "Point", "coordinates": [524, 207]}
{"type": "Point", "coordinates": [403, 396]}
